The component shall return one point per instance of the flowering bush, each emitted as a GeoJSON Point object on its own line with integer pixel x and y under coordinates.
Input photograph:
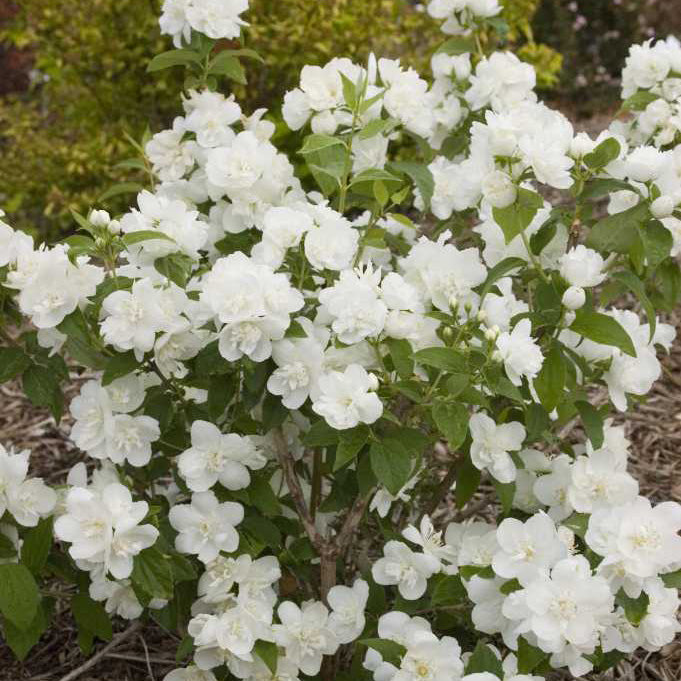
{"type": "Point", "coordinates": [290, 367]}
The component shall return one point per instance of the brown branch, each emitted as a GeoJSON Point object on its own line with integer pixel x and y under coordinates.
{"type": "Point", "coordinates": [444, 486]}
{"type": "Point", "coordinates": [287, 465]}
{"type": "Point", "coordinates": [95, 659]}
{"type": "Point", "coordinates": [351, 522]}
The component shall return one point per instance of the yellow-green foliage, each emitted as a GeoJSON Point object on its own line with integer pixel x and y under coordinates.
{"type": "Point", "coordinates": [60, 142]}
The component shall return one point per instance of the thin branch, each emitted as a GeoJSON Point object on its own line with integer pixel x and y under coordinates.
{"type": "Point", "coordinates": [444, 487]}
{"type": "Point", "coordinates": [287, 465]}
{"type": "Point", "coordinates": [351, 522]}
{"type": "Point", "coordinates": [95, 659]}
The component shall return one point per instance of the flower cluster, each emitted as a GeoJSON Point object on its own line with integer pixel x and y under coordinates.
{"type": "Point", "coordinates": [285, 350]}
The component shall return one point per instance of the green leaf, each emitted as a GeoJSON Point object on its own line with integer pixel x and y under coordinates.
{"type": "Point", "coordinates": [452, 419]}
{"type": "Point", "coordinates": [448, 590]}
{"type": "Point", "coordinates": [13, 361]}
{"type": "Point", "coordinates": [592, 421]}
{"type": "Point", "coordinates": [165, 60]}
{"type": "Point", "coordinates": [316, 142]}
{"type": "Point", "coordinates": [601, 328]}
{"type": "Point", "coordinates": [349, 92]}
{"type": "Point", "coordinates": [390, 651]}
{"type": "Point", "coordinates": [19, 597]}
{"type": "Point", "coordinates": [483, 659]}
{"type": "Point", "coordinates": [226, 64]}
{"type": "Point", "coordinates": [634, 608]}
{"type": "Point", "coordinates": [598, 187]}
{"type": "Point", "coordinates": [121, 364]}
{"type": "Point", "coordinates": [639, 100]}
{"type": "Point", "coordinates": [231, 243]}
{"type": "Point", "coordinates": [246, 52]}
{"type": "Point", "coordinates": [176, 267]}
{"type": "Point", "coordinates": [295, 330]}
{"type": "Point", "coordinates": [510, 587]}
{"type": "Point", "coordinates": [550, 381]}
{"type": "Point", "coordinates": [618, 232]}
{"type": "Point", "coordinates": [132, 238]}
{"type": "Point", "coordinates": [420, 176]}
{"type": "Point", "coordinates": [37, 545]}
{"type": "Point", "coordinates": [506, 493]}
{"type": "Point", "coordinates": [657, 242]}
{"type": "Point", "coordinates": [500, 270]}
{"type": "Point", "coordinates": [268, 652]}
{"type": "Point", "coordinates": [457, 45]}
{"type": "Point", "coordinates": [634, 284]}
{"type": "Point", "coordinates": [374, 127]}
{"type": "Point", "coordinates": [152, 573]}
{"type": "Point", "coordinates": [401, 355]}
{"type": "Point", "coordinates": [672, 580]}
{"type": "Point", "coordinates": [529, 657]}
{"type": "Point", "coordinates": [350, 444]}
{"type": "Point", "coordinates": [457, 383]}
{"type": "Point", "coordinates": [515, 218]}
{"type": "Point", "coordinates": [79, 244]}
{"type": "Point", "coordinates": [91, 617]}
{"type": "Point", "coordinates": [120, 188]}
{"type": "Point", "coordinates": [467, 481]}
{"type": "Point", "coordinates": [321, 434]}
{"type": "Point", "coordinates": [391, 464]}
{"type": "Point", "coordinates": [22, 640]}
{"type": "Point", "coordinates": [7, 548]}
{"type": "Point", "coordinates": [41, 386]}
{"type": "Point", "coordinates": [578, 523]}
{"type": "Point", "coordinates": [445, 359]}
{"type": "Point", "coordinates": [274, 413]}
{"type": "Point", "coordinates": [608, 150]}
{"type": "Point", "coordinates": [262, 496]}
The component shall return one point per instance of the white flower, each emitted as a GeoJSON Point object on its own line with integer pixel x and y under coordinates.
{"type": "Point", "coordinates": [104, 527]}
{"type": "Point", "coordinates": [641, 539]}
{"type": "Point", "coordinates": [190, 673]}
{"type": "Point", "coordinates": [564, 608]}
{"type": "Point", "coordinates": [596, 483]}
{"type": "Point", "coordinates": [582, 267]}
{"type": "Point", "coordinates": [27, 500]}
{"type": "Point", "coordinates": [217, 18]}
{"type": "Point", "coordinates": [347, 604]}
{"type": "Point", "coordinates": [354, 305]}
{"type": "Point", "coordinates": [128, 438]}
{"type": "Point", "coordinates": [498, 189]}
{"type": "Point", "coordinates": [50, 285]}
{"type": "Point", "coordinates": [520, 353]}
{"type": "Point", "coordinates": [501, 81]}
{"type": "Point", "coordinates": [133, 318]}
{"type": "Point", "coordinates": [300, 363]}
{"type": "Point", "coordinates": [408, 570]}
{"type": "Point", "coordinates": [332, 244]}
{"type": "Point", "coordinates": [527, 549]}
{"type": "Point", "coordinates": [644, 164]}
{"type": "Point", "coordinates": [305, 634]}
{"type": "Point", "coordinates": [215, 456]}
{"type": "Point", "coordinates": [430, 541]}
{"type": "Point", "coordinates": [492, 444]}
{"type": "Point", "coordinates": [345, 398]}
{"type": "Point", "coordinates": [206, 526]}
{"type": "Point", "coordinates": [428, 657]}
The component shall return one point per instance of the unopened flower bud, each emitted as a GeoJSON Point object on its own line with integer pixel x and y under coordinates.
{"type": "Point", "coordinates": [496, 356]}
{"type": "Point", "coordinates": [482, 315]}
{"type": "Point", "coordinates": [468, 306]}
{"type": "Point", "coordinates": [453, 302]}
{"type": "Point", "coordinates": [447, 333]}
{"type": "Point", "coordinates": [373, 382]}
{"type": "Point", "coordinates": [662, 207]}
{"type": "Point", "coordinates": [114, 227]}
{"type": "Point", "coordinates": [100, 218]}
{"type": "Point", "coordinates": [574, 298]}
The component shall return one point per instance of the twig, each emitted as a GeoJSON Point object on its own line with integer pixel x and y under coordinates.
{"type": "Point", "coordinates": [286, 462]}
{"type": "Point", "coordinates": [95, 659]}
{"type": "Point", "coordinates": [351, 522]}
{"type": "Point", "coordinates": [146, 656]}
{"type": "Point", "coordinates": [444, 487]}
{"type": "Point", "coordinates": [138, 658]}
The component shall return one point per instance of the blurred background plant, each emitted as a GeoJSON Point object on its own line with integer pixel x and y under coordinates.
{"type": "Point", "coordinates": [73, 76]}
